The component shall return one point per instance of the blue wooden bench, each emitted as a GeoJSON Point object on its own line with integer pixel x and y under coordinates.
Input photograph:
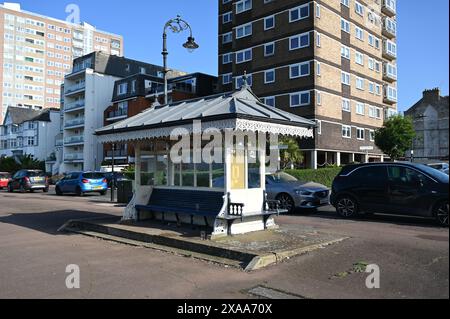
{"type": "Point", "coordinates": [206, 204]}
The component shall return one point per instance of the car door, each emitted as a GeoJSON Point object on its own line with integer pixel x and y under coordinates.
{"type": "Point", "coordinates": [16, 179]}
{"type": "Point", "coordinates": [409, 191]}
{"type": "Point", "coordinates": [63, 184]}
{"type": "Point", "coordinates": [370, 188]}
{"type": "Point", "coordinates": [72, 183]}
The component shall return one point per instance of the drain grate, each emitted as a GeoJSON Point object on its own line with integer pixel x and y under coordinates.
{"type": "Point", "coordinates": [270, 293]}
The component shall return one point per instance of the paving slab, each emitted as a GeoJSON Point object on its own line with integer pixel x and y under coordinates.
{"type": "Point", "coordinates": [250, 251]}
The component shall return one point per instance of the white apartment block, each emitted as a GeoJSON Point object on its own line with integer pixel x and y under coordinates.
{"type": "Point", "coordinates": [38, 52]}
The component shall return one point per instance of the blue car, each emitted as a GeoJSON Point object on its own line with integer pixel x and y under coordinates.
{"type": "Point", "coordinates": [80, 183]}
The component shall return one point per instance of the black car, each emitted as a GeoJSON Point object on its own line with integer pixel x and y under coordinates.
{"type": "Point", "coordinates": [28, 180]}
{"type": "Point", "coordinates": [391, 188]}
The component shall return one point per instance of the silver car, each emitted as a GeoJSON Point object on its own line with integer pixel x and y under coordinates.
{"type": "Point", "coordinates": [293, 193]}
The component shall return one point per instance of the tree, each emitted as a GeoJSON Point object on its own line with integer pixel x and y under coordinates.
{"type": "Point", "coordinates": [9, 164]}
{"type": "Point", "coordinates": [396, 136]}
{"type": "Point", "coordinates": [293, 154]}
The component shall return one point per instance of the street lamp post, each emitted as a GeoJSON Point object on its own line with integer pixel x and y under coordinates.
{"type": "Point", "coordinates": [176, 25]}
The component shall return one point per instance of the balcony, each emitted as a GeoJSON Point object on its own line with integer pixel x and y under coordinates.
{"type": "Point", "coordinates": [74, 140]}
{"type": "Point", "coordinates": [389, 50]}
{"type": "Point", "coordinates": [59, 142]}
{"type": "Point", "coordinates": [119, 154]}
{"type": "Point", "coordinates": [75, 88]}
{"type": "Point", "coordinates": [389, 28]}
{"type": "Point", "coordinates": [80, 67]}
{"type": "Point", "coordinates": [73, 157]}
{"type": "Point", "coordinates": [74, 123]}
{"type": "Point", "coordinates": [389, 8]}
{"type": "Point", "coordinates": [117, 115]}
{"type": "Point", "coordinates": [389, 72]}
{"type": "Point", "coordinates": [390, 95]}
{"type": "Point", "coordinates": [74, 105]}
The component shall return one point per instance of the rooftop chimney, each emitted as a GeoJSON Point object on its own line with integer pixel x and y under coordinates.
{"type": "Point", "coordinates": [432, 95]}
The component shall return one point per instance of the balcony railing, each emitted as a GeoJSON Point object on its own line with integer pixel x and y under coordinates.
{"type": "Point", "coordinates": [389, 50]}
{"type": "Point", "coordinates": [59, 142]}
{"type": "Point", "coordinates": [74, 105]}
{"type": "Point", "coordinates": [74, 157]}
{"type": "Point", "coordinates": [118, 113]}
{"type": "Point", "coordinates": [76, 87]}
{"type": "Point", "coordinates": [74, 140]}
{"type": "Point", "coordinates": [81, 66]}
{"type": "Point", "coordinates": [75, 122]}
{"type": "Point", "coordinates": [390, 94]}
{"type": "Point", "coordinates": [118, 153]}
{"type": "Point", "coordinates": [389, 72]}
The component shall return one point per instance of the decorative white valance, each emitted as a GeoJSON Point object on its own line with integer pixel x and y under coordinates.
{"type": "Point", "coordinates": [233, 124]}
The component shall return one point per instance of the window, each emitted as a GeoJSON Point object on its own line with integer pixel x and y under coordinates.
{"type": "Point", "coordinates": [269, 23]}
{"type": "Point", "coordinates": [372, 112]}
{"type": "Point", "coordinates": [270, 101]}
{"type": "Point", "coordinates": [227, 37]}
{"type": "Point", "coordinates": [244, 31]}
{"type": "Point", "coordinates": [319, 98]}
{"type": "Point", "coordinates": [360, 108]}
{"type": "Point", "coordinates": [299, 70]}
{"type": "Point", "coordinates": [299, 13]}
{"type": "Point", "coordinates": [345, 25]}
{"type": "Point", "coordinates": [345, 78]}
{"type": "Point", "coordinates": [372, 135]}
{"type": "Point", "coordinates": [123, 88]}
{"type": "Point", "coordinates": [346, 105]}
{"type": "Point", "coordinates": [359, 34]}
{"type": "Point", "coordinates": [243, 56]}
{"type": "Point", "coordinates": [345, 3]}
{"type": "Point", "coordinates": [299, 41]}
{"type": "Point", "coordinates": [269, 49]}
{"type": "Point", "coordinates": [359, 9]}
{"type": "Point", "coordinates": [227, 58]}
{"type": "Point", "coordinates": [346, 131]}
{"type": "Point", "coordinates": [345, 52]}
{"type": "Point", "coordinates": [300, 99]}
{"type": "Point", "coordinates": [391, 93]}
{"type": "Point", "coordinates": [133, 86]}
{"type": "Point", "coordinates": [318, 40]}
{"type": "Point", "coordinates": [359, 83]}
{"type": "Point", "coordinates": [269, 76]}
{"type": "Point", "coordinates": [371, 64]}
{"type": "Point", "coordinates": [243, 5]}
{"type": "Point", "coordinates": [319, 127]}
{"type": "Point", "coordinates": [372, 87]}
{"type": "Point", "coordinates": [390, 48]}
{"type": "Point", "coordinates": [360, 134]}
{"type": "Point", "coordinates": [359, 58]}
{"type": "Point", "coordinates": [227, 17]}
{"type": "Point", "coordinates": [227, 78]}
{"type": "Point", "coordinates": [318, 68]}
{"type": "Point", "coordinates": [239, 81]}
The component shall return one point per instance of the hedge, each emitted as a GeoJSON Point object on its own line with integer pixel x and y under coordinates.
{"type": "Point", "coordinates": [323, 176]}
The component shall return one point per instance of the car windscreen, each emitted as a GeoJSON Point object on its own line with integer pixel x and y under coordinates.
{"type": "Point", "coordinates": [282, 178]}
{"type": "Point", "coordinates": [36, 174]}
{"type": "Point", "coordinates": [93, 175]}
{"type": "Point", "coordinates": [2, 176]}
{"type": "Point", "coordinates": [434, 173]}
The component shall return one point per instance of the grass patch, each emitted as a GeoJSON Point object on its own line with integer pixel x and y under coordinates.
{"type": "Point", "coordinates": [323, 176]}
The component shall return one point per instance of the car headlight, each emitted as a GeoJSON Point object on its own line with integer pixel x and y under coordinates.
{"type": "Point", "coordinates": [303, 192]}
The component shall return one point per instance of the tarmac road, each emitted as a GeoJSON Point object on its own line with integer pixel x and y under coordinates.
{"type": "Point", "coordinates": [412, 255]}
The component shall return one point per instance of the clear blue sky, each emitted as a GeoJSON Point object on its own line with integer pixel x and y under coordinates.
{"type": "Point", "coordinates": [422, 41]}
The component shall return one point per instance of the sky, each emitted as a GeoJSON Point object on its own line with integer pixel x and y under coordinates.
{"type": "Point", "coordinates": [423, 48]}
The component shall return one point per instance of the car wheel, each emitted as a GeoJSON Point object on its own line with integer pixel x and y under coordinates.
{"type": "Point", "coordinates": [286, 202]}
{"type": "Point", "coordinates": [58, 191]}
{"type": "Point", "coordinates": [45, 190]}
{"type": "Point", "coordinates": [79, 192]}
{"type": "Point", "coordinates": [441, 213]}
{"type": "Point", "coordinates": [103, 193]}
{"type": "Point", "coordinates": [347, 207]}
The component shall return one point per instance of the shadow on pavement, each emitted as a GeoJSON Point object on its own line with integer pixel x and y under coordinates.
{"type": "Point", "coordinates": [50, 222]}
{"type": "Point", "coordinates": [330, 213]}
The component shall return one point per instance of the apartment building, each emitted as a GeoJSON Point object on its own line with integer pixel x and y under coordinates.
{"type": "Point", "coordinates": [331, 61]}
{"type": "Point", "coordinates": [38, 52]}
{"type": "Point", "coordinates": [87, 93]}
{"type": "Point", "coordinates": [139, 92]}
{"type": "Point", "coordinates": [29, 132]}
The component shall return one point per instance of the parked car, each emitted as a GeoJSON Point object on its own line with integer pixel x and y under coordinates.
{"type": "Point", "coordinates": [291, 192]}
{"type": "Point", "coordinates": [294, 193]}
{"type": "Point", "coordinates": [446, 171]}
{"type": "Point", "coordinates": [80, 183]}
{"type": "Point", "coordinates": [439, 166]}
{"type": "Point", "coordinates": [391, 188]}
{"type": "Point", "coordinates": [28, 180]}
{"type": "Point", "coordinates": [4, 180]}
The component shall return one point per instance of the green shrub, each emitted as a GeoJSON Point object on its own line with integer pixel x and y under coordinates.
{"type": "Point", "coordinates": [323, 176]}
